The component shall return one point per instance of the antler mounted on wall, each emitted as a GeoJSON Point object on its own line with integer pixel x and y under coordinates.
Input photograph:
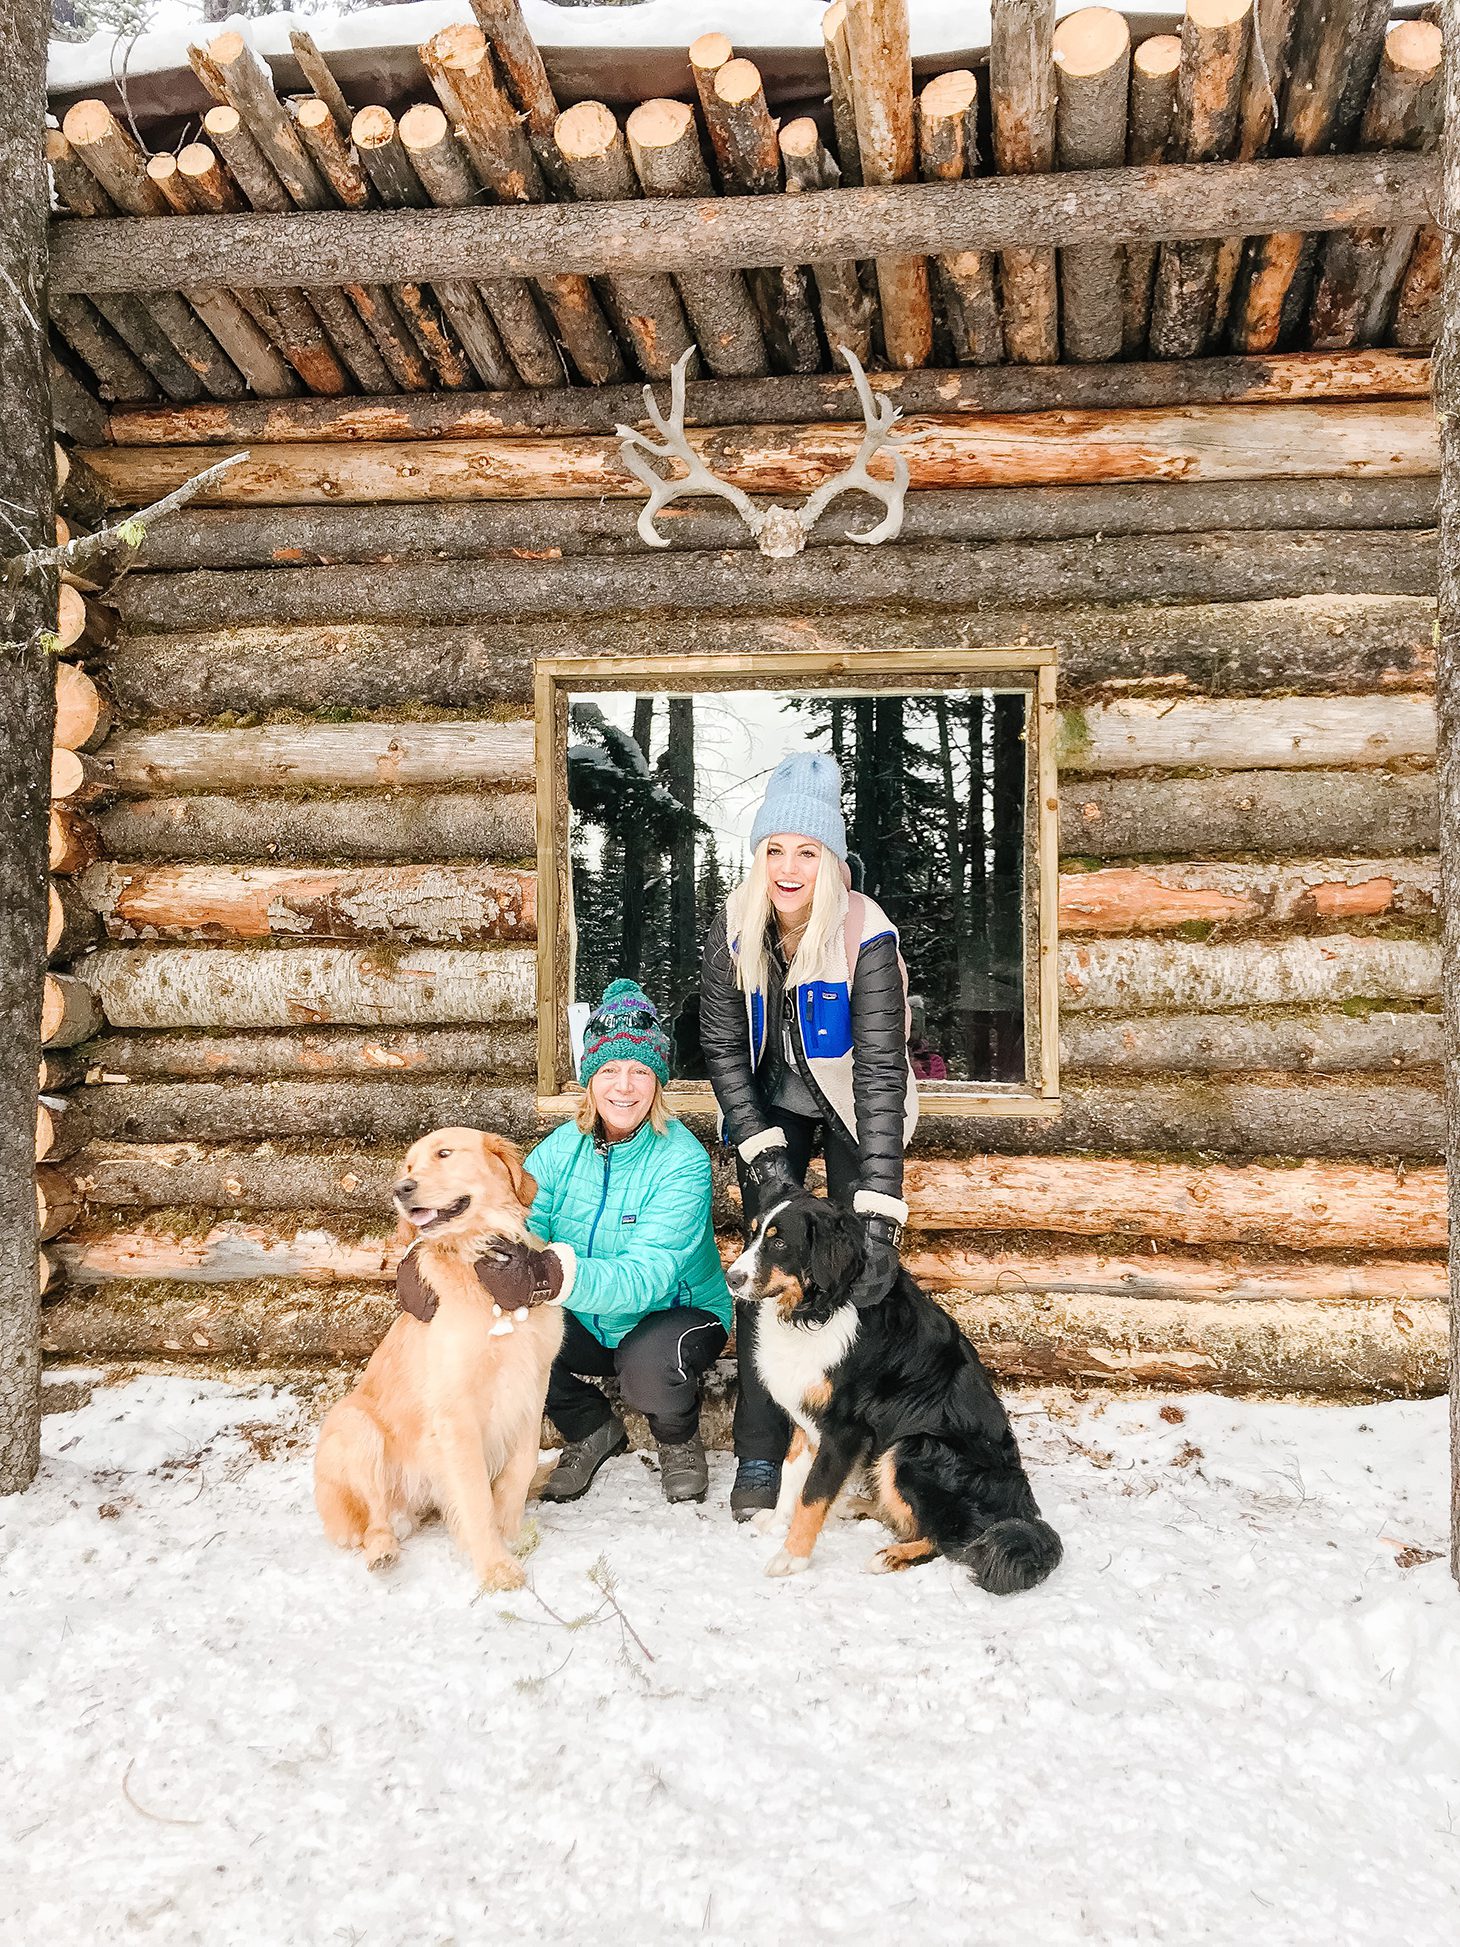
{"type": "Point", "coordinates": [779, 531]}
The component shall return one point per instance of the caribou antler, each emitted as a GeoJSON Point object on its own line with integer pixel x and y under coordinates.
{"type": "Point", "coordinates": [779, 531]}
{"type": "Point", "coordinates": [663, 489]}
{"type": "Point", "coordinates": [881, 416]}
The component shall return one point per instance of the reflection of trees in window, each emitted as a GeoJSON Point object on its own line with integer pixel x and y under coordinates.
{"type": "Point", "coordinates": [636, 899]}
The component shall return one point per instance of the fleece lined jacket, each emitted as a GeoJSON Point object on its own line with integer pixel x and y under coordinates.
{"type": "Point", "coordinates": [637, 1215]}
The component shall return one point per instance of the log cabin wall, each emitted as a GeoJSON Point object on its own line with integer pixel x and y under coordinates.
{"type": "Point", "coordinates": [319, 872]}
{"type": "Point", "coordinates": [314, 815]}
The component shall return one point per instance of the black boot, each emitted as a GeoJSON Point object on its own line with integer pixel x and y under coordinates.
{"type": "Point", "coordinates": [757, 1486]}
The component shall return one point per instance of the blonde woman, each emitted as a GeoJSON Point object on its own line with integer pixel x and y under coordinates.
{"type": "Point", "coordinates": [803, 1020]}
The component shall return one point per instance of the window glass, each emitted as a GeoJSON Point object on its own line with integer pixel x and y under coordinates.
{"type": "Point", "coordinates": [662, 790]}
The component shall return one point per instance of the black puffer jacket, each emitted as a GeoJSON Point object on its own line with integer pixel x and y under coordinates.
{"type": "Point", "coordinates": [879, 1054]}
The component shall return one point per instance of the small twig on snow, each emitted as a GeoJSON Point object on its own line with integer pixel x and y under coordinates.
{"type": "Point", "coordinates": [602, 1578]}
{"type": "Point", "coordinates": [158, 1818]}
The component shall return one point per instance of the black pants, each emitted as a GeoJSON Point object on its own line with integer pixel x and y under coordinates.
{"type": "Point", "coordinates": [658, 1364]}
{"type": "Point", "coordinates": [762, 1430]}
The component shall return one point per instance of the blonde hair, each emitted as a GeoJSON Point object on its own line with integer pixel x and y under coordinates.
{"type": "Point", "coordinates": [749, 909]}
{"type": "Point", "coordinates": [658, 1116]}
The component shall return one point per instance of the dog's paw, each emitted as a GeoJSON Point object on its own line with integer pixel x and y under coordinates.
{"type": "Point", "coordinates": [382, 1550]}
{"type": "Point", "coordinates": [785, 1563]}
{"type": "Point", "coordinates": [767, 1522]}
{"type": "Point", "coordinates": [502, 1576]}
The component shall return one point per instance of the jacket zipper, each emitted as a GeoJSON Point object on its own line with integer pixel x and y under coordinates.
{"type": "Point", "coordinates": [803, 1066]}
{"type": "Point", "coordinates": [598, 1216]}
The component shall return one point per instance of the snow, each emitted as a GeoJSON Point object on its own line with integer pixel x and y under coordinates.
{"type": "Point", "coordinates": [937, 27]}
{"type": "Point", "coordinates": [1231, 1716]}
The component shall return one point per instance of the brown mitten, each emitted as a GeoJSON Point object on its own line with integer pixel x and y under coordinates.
{"type": "Point", "coordinates": [414, 1294]}
{"type": "Point", "coordinates": [516, 1277]}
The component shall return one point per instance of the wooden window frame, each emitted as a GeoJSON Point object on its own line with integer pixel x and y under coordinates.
{"type": "Point", "coordinates": [910, 671]}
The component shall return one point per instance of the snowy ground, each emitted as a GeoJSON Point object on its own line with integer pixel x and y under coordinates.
{"type": "Point", "coordinates": [1232, 1717]}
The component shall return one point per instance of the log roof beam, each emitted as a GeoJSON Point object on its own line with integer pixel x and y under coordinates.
{"type": "Point", "coordinates": [1160, 203]}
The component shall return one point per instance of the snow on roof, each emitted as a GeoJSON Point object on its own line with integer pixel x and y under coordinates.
{"type": "Point", "coordinates": [939, 27]}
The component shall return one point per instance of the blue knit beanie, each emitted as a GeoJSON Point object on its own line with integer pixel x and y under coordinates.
{"type": "Point", "coordinates": [804, 796]}
{"type": "Point", "coordinates": [624, 1027]}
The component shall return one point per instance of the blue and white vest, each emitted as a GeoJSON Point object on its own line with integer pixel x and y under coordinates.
{"type": "Point", "coordinates": [824, 1014]}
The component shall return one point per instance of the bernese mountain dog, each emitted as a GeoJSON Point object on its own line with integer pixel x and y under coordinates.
{"type": "Point", "coordinates": [892, 1387]}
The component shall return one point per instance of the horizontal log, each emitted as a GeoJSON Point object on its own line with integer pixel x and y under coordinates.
{"type": "Point", "coordinates": [1299, 1207]}
{"type": "Point", "coordinates": [1307, 1206]}
{"type": "Point", "coordinates": [1283, 733]}
{"type": "Point", "coordinates": [782, 401]}
{"type": "Point", "coordinates": [57, 1205]}
{"type": "Point", "coordinates": [1266, 1116]}
{"type": "Point", "coordinates": [1348, 1352]}
{"type": "Point", "coordinates": [1014, 449]}
{"type": "Point", "coordinates": [450, 904]}
{"type": "Point", "coordinates": [78, 779]}
{"type": "Point", "coordinates": [394, 1112]}
{"type": "Point", "coordinates": [978, 1267]}
{"type": "Point", "coordinates": [197, 1175]}
{"type": "Point", "coordinates": [265, 1325]}
{"type": "Point", "coordinates": [206, 987]}
{"type": "Point", "coordinates": [71, 925]}
{"type": "Point", "coordinates": [337, 756]}
{"type": "Point", "coordinates": [1155, 898]}
{"type": "Point", "coordinates": [82, 713]}
{"type": "Point", "coordinates": [1317, 643]}
{"type": "Point", "coordinates": [246, 537]}
{"type": "Point", "coordinates": [60, 1132]}
{"type": "Point", "coordinates": [309, 1053]}
{"type": "Point", "coordinates": [1128, 205]}
{"type": "Point", "coordinates": [1312, 1043]}
{"type": "Point", "coordinates": [163, 1248]}
{"type": "Point", "coordinates": [69, 1013]}
{"type": "Point", "coordinates": [1205, 567]}
{"type": "Point", "coordinates": [1378, 812]}
{"type": "Point", "coordinates": [60, 1069]}
{"type": "Point", "coordinates": [1352, 1351]}
{"type": "Point", "coordinates": [1219, 1115]}
{"type": "Point", "coordinates": [72, 841]}
{"type": "Point", "coordinates": [444, 825]}
{"type": "Point", "coordinates": [1141, 976]}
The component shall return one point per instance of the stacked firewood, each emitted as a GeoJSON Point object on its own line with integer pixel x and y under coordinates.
{"type": "Point", "coordinates": [1297, 77]}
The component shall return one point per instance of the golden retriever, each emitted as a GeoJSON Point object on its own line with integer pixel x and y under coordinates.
{"type": "Point", "coordinates": [448, 1415]}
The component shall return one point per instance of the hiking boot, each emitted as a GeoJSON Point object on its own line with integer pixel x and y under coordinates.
{"type": "Point", "coordinates": [581, 1460]}
{"type": "Point", "coordinates": [683, 1473]}
{"type": "Point", "coordinates": [757, 1488]}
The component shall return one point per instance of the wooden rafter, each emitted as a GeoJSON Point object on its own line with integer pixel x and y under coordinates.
{"type": "Point", "coordinates": [1156, 204]}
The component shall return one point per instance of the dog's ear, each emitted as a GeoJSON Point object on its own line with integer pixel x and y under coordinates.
{"type": "Point", "coordinates": [834, 1254]}
{"type": "Point", "coordinates": [508, 1153]}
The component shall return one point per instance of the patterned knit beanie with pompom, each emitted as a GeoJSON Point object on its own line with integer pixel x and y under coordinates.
{"type": "Point", "coordinates": [624, 1027]}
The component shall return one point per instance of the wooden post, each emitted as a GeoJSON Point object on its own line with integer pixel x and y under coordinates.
{"type": "Point", "coordinates": [877, 39]}
{"type": "Point", "coordinates": [846, 312]}
{"type": "Point", "coordinates": [1021, 88]}
{"type": "Point", "coordinates": [1447, 698]}
{"type": "Point", "coordinates": [1215, 38]}
{"type": "Point", "coordinates": [948, 150]}
{"type": "Point", "coordinates": [1152, 119]}
{"type": "Point", "coordinates": [26, 713]}
{"type": "Point", "coordinates": [1091, 52]}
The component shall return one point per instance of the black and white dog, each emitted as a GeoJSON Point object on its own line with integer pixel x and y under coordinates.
{"type": "Point", "coordinates": [894, 1387]}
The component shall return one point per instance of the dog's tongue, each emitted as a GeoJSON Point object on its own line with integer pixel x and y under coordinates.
{"type": "Point", "coordinates": [420, 1218]}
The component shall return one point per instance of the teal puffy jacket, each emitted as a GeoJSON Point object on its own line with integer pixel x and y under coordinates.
{"type": "Point", "coordinates": [637, 1214]}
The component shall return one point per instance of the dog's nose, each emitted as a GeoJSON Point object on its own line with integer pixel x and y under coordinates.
{"type": "Point", "coordinates": [403, 1191]}
{"type": "Point", "coordinates": [737, 1277]}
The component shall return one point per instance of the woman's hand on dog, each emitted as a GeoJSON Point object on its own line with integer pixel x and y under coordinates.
{"type": "Point", "coordinates": [513, 1275]}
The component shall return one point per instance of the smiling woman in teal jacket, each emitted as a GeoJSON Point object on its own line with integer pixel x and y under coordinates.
{"type": "Point", "coordinates": [627, 1189]}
